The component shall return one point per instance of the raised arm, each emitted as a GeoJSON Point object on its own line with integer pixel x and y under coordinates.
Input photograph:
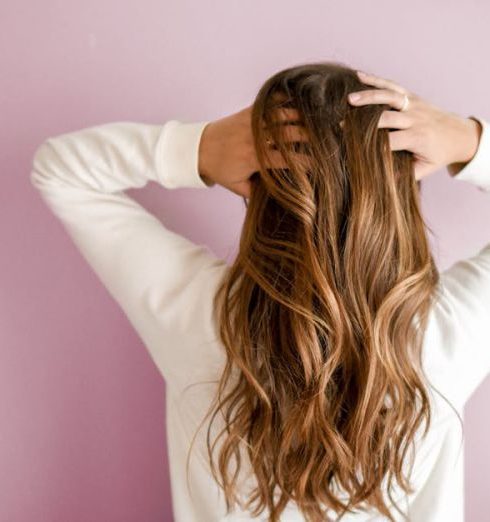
{"type": "Point", "coordinates": [161, 280]}
{"type": "Point", "coordinates": [465, 292]}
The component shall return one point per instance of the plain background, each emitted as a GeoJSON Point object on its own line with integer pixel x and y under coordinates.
{"type": "Point", "coordinates": [82, 433]}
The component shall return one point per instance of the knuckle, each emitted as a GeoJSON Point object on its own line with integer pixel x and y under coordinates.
{"type": "Point", "coordinates": [394, 140]}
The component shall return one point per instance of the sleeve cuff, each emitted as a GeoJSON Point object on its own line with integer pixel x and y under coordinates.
{"type": "Point", "coordinates": [176, 155]}
{"type": "Point", "coordinates": [477, 170]}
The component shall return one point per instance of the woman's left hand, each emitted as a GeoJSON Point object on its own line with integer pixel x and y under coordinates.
{"type": "Point", "coordinates": [436, 137]}
{"type": "Point", "coordinates": [227, 153]}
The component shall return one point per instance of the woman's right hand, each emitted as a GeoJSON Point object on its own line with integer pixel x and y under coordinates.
{"type": "Point", "coordinates": [436, 138]}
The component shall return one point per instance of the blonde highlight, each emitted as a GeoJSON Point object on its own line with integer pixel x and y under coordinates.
{"type": "Point", "coordinates": [323, 311]}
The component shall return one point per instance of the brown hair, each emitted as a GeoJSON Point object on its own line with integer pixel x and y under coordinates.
{"type": "Point", "coordinates": [322, 313]}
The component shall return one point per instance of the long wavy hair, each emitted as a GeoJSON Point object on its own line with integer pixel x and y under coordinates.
{"type": "Point", "coordinates": [322, 313]}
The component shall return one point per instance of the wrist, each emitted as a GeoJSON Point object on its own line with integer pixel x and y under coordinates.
{"type": "Point", "coordinates": [466, 143]}
{"type": "Point", "coordinates": [203, 157]}
{"type": "Point", "coordinates": [472, 134]}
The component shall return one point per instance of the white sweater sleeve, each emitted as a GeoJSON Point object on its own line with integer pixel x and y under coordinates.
{"type": "Point", "coordinates": [162, 281]}
{"type": "Point", "coordinates": [466, 294]}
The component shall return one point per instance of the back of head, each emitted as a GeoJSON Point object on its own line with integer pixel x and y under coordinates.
{"type": "Point", "coordinates": [323, 311]}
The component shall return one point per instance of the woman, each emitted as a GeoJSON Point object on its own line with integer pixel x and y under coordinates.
{"type": "Point", "coordinates": [323, 374]}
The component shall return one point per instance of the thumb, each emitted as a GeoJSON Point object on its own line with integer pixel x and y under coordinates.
{"type": "Point", "coordinates": [422, 169]}
{"type": "Point", "coordinates": [242, 188]}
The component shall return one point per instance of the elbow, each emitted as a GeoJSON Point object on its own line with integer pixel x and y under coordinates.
{"type": "Point", "coordinates": [41, 165]}
{"type": "Point", "coordinates": [48, 165]}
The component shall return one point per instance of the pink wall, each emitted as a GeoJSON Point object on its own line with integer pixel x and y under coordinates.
{"type": "Point", "coordinates": [82, 434]}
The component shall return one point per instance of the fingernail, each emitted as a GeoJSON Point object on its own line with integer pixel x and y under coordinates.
{"type": "Point", "coordinates": [354, 97]}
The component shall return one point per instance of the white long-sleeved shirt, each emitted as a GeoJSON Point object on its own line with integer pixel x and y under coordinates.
{"type": "Point", "coordinates": [165, 283]}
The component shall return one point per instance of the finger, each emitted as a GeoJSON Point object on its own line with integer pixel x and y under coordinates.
{"type": "Point", "coordinates": [383, 83]}
{"type": "Point", "coordinates": [377, 96]}
{"type": "Point", "coordinates": [242, 188]}
{"type": "Point", "coordinates": [290, 134]}
{"type": "Point", "coordinates": [419, 170]}
{"type": "Point", "coordinates": [285, 119]}
{"type": "Point", "coordinates": [394, 120]}
{"type": "Point", "coordinates": [422, 169]}
{"type": "Point", "coordinates": [286, 114]}
{"type": "Point", "coordinates": [401, 140]}
{"type": "Point", "coordinates": [294, 133]}
{"type": "Point", "coordinates": [274, 159]}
